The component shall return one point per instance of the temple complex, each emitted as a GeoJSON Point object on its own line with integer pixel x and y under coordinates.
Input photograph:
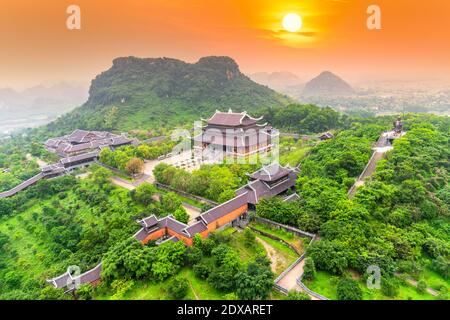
{"type": "Point", "coordinates": [272, 180]}
{"type": "Point", "coordinates": [269, 181]}
{"type": "Point", "coordinates": [81, 141]}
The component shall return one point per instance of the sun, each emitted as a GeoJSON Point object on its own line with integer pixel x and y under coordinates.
{"type": "Point", "coordinates": [292, 22]}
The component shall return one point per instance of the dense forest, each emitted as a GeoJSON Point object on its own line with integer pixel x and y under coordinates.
{"type": "Point", "coordinates": [398, 221]}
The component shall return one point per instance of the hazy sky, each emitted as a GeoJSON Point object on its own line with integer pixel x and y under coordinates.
{"type": "Point", "coordinates": [36, 46]}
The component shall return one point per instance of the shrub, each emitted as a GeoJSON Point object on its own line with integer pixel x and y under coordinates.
{"type": "Point", "coordinates": [85, 291]}
{"type": "Point", "coordinates": [120, 287]}
{"type": "Point", "coordinates": [192, 256]}
{"type": "Point", "coordinates": [389, 287]}
{"type": "Point", "coordinates": [202, 270]}
{"type": "Point", "coordinates": [309, 269]}
{"type": "Point", "coordinates": [178, 288]}
{"type": "Point", "coordinates": [296, 295]}
{"type": "Point", "coordinates": [249, 238]}
{"type": "Point", "coordinates": [421, 286]}
{"type": "Point", "coordinates": [348, 289]}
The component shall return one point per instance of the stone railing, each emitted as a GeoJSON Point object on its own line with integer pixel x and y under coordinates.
{"type": "Point", "coordinates": [288, 269]}
{"type": "Point", "coordinates": [274, 237]}
{"type": "Point", "coordinates": [309, 291]}
{"type": "Point", "coordinates": [281, 289]}
{"type": "Point", "coordinates": [285, 227]}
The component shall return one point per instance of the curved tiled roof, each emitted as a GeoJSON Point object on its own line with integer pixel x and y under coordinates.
{"type": "Point", "coordinates": [232, 119]}
{"type": "Point", "coordinates": [272, 172]}
{"type": "Point", "coordinates": [66, 280]}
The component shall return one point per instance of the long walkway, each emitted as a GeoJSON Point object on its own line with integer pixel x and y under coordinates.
{"type": "Point", "coordinates": [22, 186]}
{"type": "Point", "coordinates": [382, 146]}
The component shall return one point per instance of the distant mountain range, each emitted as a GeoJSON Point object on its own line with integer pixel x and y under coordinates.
{"type": "Point", "coordinates": [38, 105]}
{"type": "Point", "coordinates": [327, 84]}
{"type": "Point", "coordinates": [151, 93]}
{"type": "Point", "coordinates": [281, 81]}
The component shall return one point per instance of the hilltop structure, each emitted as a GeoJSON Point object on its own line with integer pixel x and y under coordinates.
{"type": "Point", "coordinates": [396, 132]}
{"type": "Point", "coordinates": [235, 134]}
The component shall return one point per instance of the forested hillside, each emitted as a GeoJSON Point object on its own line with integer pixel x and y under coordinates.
{"type": "Point", "coordinates": [153, 93]}
{"type": "Point", "coordinates": [399, 221]}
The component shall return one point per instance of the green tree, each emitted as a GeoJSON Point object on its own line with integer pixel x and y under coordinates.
{"type": "Point", "coordinates": [256, 282]}
{"type": "Point", "coordinates": [309, 269]}
{"type": "Point", "coordinates": [348, 289]}
{"type": "Point", "coordinates": [296, 295]}
{"type": "Point", "coordinates": [181, 215]}
{"type": "Point", "coordinates": [144, 193]}
{"type": "Point", "coordinates": [178, 288]}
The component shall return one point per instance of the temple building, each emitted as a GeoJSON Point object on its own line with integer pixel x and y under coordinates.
{"type": "Point", "coordinates": [269, 181]}
{"type": "Point", "coordinates": [235, 134]}
{"type": "Point", "coordinates": [272, 180]}
{"type": "Point", "coordinates": [81, 141]}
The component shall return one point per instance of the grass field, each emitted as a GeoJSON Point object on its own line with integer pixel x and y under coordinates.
{"type": "Point", "coordinates": [433, 279]}
{"type": "Point", "coordinates": [293, 157]}
{"type": "Point", "coordinates": [187, 200]}
{"type": "Point", "coordinates": [246, 254]}
{"type": "Point", "coordinates": [147, 290]}
{"type": "Point", "coordinates": [325, 284]}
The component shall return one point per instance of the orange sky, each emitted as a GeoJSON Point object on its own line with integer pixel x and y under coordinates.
{"type": "Point", "coordinates": [36, 46]}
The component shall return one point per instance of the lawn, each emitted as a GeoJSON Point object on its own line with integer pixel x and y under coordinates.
{"type": "Point", "coordinates": [246, 254]}
{"type": "Point", "coordinates": [433, 279]}
{"type": "Point", "coordinates": [187, 200]}
{"type": "Point", "coordinates": [325, 284]}
{"type": "Point", "coordinates": [147, 290]}
{"type": "Point", "coordinates": [284, 255]}
{"type": "Point", "coordinates": [294, 157]}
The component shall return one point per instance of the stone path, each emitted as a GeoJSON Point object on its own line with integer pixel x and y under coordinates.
{"type": "Point", "coordinates": [429, 290]}
{"type": "Point", "coordinates": [380, 150]}
{"type": "Point", "coordinates": [274, 257]}
{"type": "Point", "coordinates": [193, 212]}
{"type": "Point", "coordinates": [413, 282]}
